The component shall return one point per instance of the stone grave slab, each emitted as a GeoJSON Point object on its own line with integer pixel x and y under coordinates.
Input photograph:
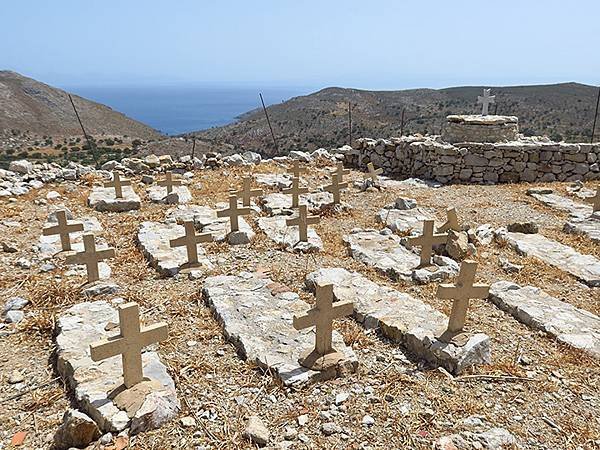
{"type": "Point", "coordinates": [257, 318]}
{"type": "Point", "coordinates": [281, 204]}
{"type": "Point", "coordinates": [403, 319]}
{"type": "Point", "coordinates": [153, 239]}
{"type": "Point", "coordinates": [583, 267]}
{"type": "Point", "coordinates": [280, 181]}
{"type": "Point", "coordinates": [589, 226]}
{"type": "Point", "coordinates": [289, 237]}
{"type": "Point", "coordinates": [98, 386]}
{"type": "Point", "coordinates": [405, 221]}
{"type": "Point", "coordinates": [50, 245]}
{"type": "Point", "coordinates": [532, 306]}
{"type": "Point", "coordinates": [179, 194]}
{"type": "Point", "coordinates": [104, 200]}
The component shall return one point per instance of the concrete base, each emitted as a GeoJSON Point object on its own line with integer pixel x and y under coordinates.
{"type": "Point", "coordinates": [103, 199]}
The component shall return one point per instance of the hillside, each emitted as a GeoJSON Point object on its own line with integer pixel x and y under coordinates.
{"type": "Point", "coordinates": [561, 111]}
{"type": "Point", "coordinates": [28, 105]}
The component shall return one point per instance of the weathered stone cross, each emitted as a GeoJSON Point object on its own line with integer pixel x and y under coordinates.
{"type": "Point", "coordinates": [63, 229]}
{"type": "Point", "coordinates": [427, 240]}
{"type": "Point", "coordinates": [296, 169]}
{"type": "Point", "coordinates": [461, 292]}
{"type": "Point", "coordinates": [169, 182]}
{"type": "Point", "coordinates": [295, 190]}
{"type": "Point", "coordinates": [373, 173]}
{"type": "Point", "coordinates": [118, 184]}
{"type": "Point", "coordinates": [451, 222]}
{"type": "Point", "coordinates": [129, 343]}
{"type": "Point", "coordinates": [321, 317]}
{"type": "Point", "coordinates": [595, 201]}
{"type": "Point", "coordinates": [335, 187]}
{"type": "Point", "coordinates": [303, 221]}
{"type": "Point", "coordinates": [246, 193]}
{"type": "Point", "coordinates": [340, 171]}
{"type": "Point", "coordinates": [90, 257]}
{"type": "Point", "coordinates": [190, 241]}
{"type": "Point", "coordinates": [486, 101]}
{"type": "Point", "coordinates": [233, 212]}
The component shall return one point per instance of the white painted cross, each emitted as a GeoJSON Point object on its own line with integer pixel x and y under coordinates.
{"type": "Point", "coordinates": [169, 182]}
{"type": "Point", "coordinates": [190, 241]}
{"type": "Point", "coordinates": [595, 200]}
{"type": "Point", "coordinates": [63, 229]}
{"type": "Point", "coordinates": [233, 212]}
{"type": "Point", "coordinates": [373, 173]}
{"type": "Point", "coordinates": [90, 257]}
{"type": "Point", "coordinates": [296, 169]}
{"type": "Point", "coordinates": [427, 240]}
{"type": "Point", "coordinates": [129, 343]}
{"type": "Point", "coordinates": [335, 187]}
{"type": "Point", "coordinates": [486, 101]}
{"type": "Point", "coordinates": [246, 193]}
{"type": "Point", "coordinates": [451, 222]}
{"type": "Point", "coordinates": [461, 293]}
{"type": "Point", "coordinates": [303, 221]}
{"type": "Point", "coordinates": [118, 184]}
{"type": "Point", "coordinates": [295, 190]}
{"type": "Point", "coordinates": [341, 172]}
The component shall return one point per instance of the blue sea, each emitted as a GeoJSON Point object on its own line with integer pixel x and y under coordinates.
{"type": "Point", "coordinates": [179, 109]}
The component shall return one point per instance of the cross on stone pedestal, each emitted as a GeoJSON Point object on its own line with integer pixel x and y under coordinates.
{"type": "Point", "coordinates": [296, 169]}
{"type": "Point", "coordinates": [303, 221]}
{"type": "Point", "coordinates": [90, 257]}
{"type": "Point", "coordinates": [335, 187]}
{"type": "Point", "coordinates": [63, 229]}
{"type": "Point", "coordinates": [427, 240]}
{"type": "Point", "coordinates": [118, 184]}
{"type": "Point", "coordinates": [461, 292]}
{"type": "Point", "coordinates": [486, 101]}
{"type": "Point", "coordinates": [190, 241]}
{"type": "Point", "coordinates": [341, 172]}
{"type": "Point", "coordinates": [595, 201]}
{"type": "Point", "coordinates": [246, 193]}
{"type": "Point", "coordinates": [373, 173]}
{"type": "Point", "coordinates": [233, 212]}
{"type": "Point", "coordinates": [451, 222]}
{"type": "Point", "coordinates": [321, 317]}
{"type": "Point", "coordinates": [169, 182]}
{"type": "Point", "coordinates": [295, 190]}
{"type": "Point", "coordinates": [129, 343]}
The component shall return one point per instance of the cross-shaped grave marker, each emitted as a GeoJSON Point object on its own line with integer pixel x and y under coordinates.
{"type": "Point", "coordinates": [341, 172]}
{"type": "Point", "coordinates": [296, 170]}
{"type": "Point", "coordinates": [129, 343]}
{"type": "Point", "coordinates": [321, 317]}
{"type": "Point", "coordinates": [118, 184]}
{"type": "Point", "coordinates": [233, 212]}
{"type": "Point", "coordinates": [63, 229]}
{"type": "Point", "coordinates": [169, 182]}
{"type": "Point", "coordinates": [595, 201]}
{"type": "Point", "coordinates": [427, 240]}
{"type": "Point", "coordinates": [463, 290]}
{"type": "Point", "coordinates": [303, 221]}
{"type": "Point", "coordinates": [486, 101]}
{"type": "Point", "coordinates": [90, 257]}
{"type": "Point", "coordinates": [295, 190]}
{"type": "Point", "coordinates": [335, 188]}
{"type": "Point", "coordinates": [246, 193]}
{"type": "Point", "coordinates": [373, 173]}
{"type": "Point", "coordinates": [451, 222]}
{"type": "Point", "coordinates": [190, 241]}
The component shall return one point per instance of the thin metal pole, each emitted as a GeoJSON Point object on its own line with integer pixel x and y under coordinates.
{"type": "Point", "coordinates": [595, 117]}
{"type": "Point", "coordinates": [402, 122]}
{"type": "Point", "coordinates": [349, 124]}
{"type": "Point", "coordinates": [80, 124]}
{"type": "Point", "coordinates": [269, 122]}
{"type": "Point", "coordinates": [193, 148]}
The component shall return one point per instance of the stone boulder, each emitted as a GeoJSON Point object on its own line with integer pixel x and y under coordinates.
{"type": "Point", "coordinates": [77, 430]}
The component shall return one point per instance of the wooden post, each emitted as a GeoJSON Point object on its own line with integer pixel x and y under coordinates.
{"type": "Point", "coordinates": [85, 135]}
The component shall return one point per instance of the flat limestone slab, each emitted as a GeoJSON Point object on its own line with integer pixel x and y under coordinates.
{"type": "Point", "coordinates": [288, 237]}
{"type": "Point", "coordinates": [405, 221]}
{"type": "Point", "coordinates": [583, 267]}
{"type": "Point", "coordinates": [403, 319]}
{"type": "Point", "coordinates": [180, 194]}
{"type": "Point", "coordinates": [278, 203]}
{"type": "Point", "coordinates": [258, 321]}
{"type": "Point", "coordinates": [153, 239]}
{"type": "Point", "coordinates": [98, 386]}
{"type": "Point", "coordinates": [280, 181]}
{"type": "Point", "coordinates": [589, 226]}
{"type": "Point", "coordinates": [103, 199]}
{"type": "Point", "coordinates": [532, 306]}
{"type": "Point", "coordinates": [50, 245]}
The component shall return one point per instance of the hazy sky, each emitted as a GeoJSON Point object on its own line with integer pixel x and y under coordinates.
{"type": "Point", "coordinates": [366, 44]}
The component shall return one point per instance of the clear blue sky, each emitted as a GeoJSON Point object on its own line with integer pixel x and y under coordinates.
{"type": "Point", "coordinates": [366, 44]}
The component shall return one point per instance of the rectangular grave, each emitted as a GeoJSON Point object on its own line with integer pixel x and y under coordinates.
{"type": "Point", "coordinates": [103, 199]}
{"type": "Point", "coordinates": [288, 236]}
{"type": "Point", "coordinates": [405, 221]}
{"type": "Point", "coordinates": [50, 245]}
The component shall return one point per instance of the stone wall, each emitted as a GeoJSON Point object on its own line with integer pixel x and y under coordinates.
{"type": "Point", "coordinates": [528, 159]}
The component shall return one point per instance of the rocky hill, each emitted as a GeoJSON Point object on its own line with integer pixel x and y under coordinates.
{"type": "Point", "coordinates": [561, 111]}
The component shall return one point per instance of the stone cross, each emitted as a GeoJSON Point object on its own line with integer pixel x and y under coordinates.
{"type": "Point", "coordinates": [321, 317]}
{"type": "Point", "coordinates": [303, 221]}
{"type": "Point", "coordinates": [427, 240]}
{"type": "Point", "coordinates": [246, 193]}
{"type": "Point", "coordinates": [335, 187]}
{"type": "Point", "coordinates": [340, 171]}
{"type": "Point", "coordinates": [233, 212]}
{"type": "Point", "coordinates": [451, 222]}
{"type": "Point", "coordinates": [595, 200]}
{"type": "Point", "coordinates": [373, 173]}
{"type": "Point", "coordinates": [129, 343]}
{"type": "Point", "coordinates": [295, 190]}
{"type": "Point", "coordinates": [486, 101]}
{"type": "Point", "coordinates": [63, 229]}
{"type": "Point", "coordinates": [190, 241]}
{"type": "Point", "coordinates": [118, 184]}
{"type": "Point", "coordinates": [296, 169]}
{"type": "Point", "coordinates": [169, 182]}
{"type": "Point", "coordinates": [461, 292]}
{"type": "Point", "coordinates": [90, 257]}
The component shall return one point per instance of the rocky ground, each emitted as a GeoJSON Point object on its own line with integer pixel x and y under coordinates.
{"type": "Point", "coordinates": [537, 393]}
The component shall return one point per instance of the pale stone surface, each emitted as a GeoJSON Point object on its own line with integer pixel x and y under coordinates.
{"type": "Point", "coordinates": [94, 384]}
{"type": "Point", "coordinates": [288, 237]}
{"type": "Point", "coordinates": [476, 128]}
{"type": "Point", "coordinates": [103, 199]}
{"type": "Point", "coordinates": [77, 430]}
{"type": "Point", "coordinates": [50, 245]}
{"type": "Point", "coordinates": [281, 204]}
{"type": "Point", "coordinates": [589, 227]}
{"type": "Point", "coordinates": [532, 306]}
{"type": "Point", "coordinates": [180, 194]}
{"type": "Point", "coordinates": [280, 181]}
{"type": "Point", "coordinates": [154, 242]}
{"type": "Point", "coordinates": [405, 221]}
{"type": "Point", "coordinates": [584, 267]}
{"type": "Point", "coordinates": [403, 319]}
{"type": "Point", "coordinates": [258, 321]}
